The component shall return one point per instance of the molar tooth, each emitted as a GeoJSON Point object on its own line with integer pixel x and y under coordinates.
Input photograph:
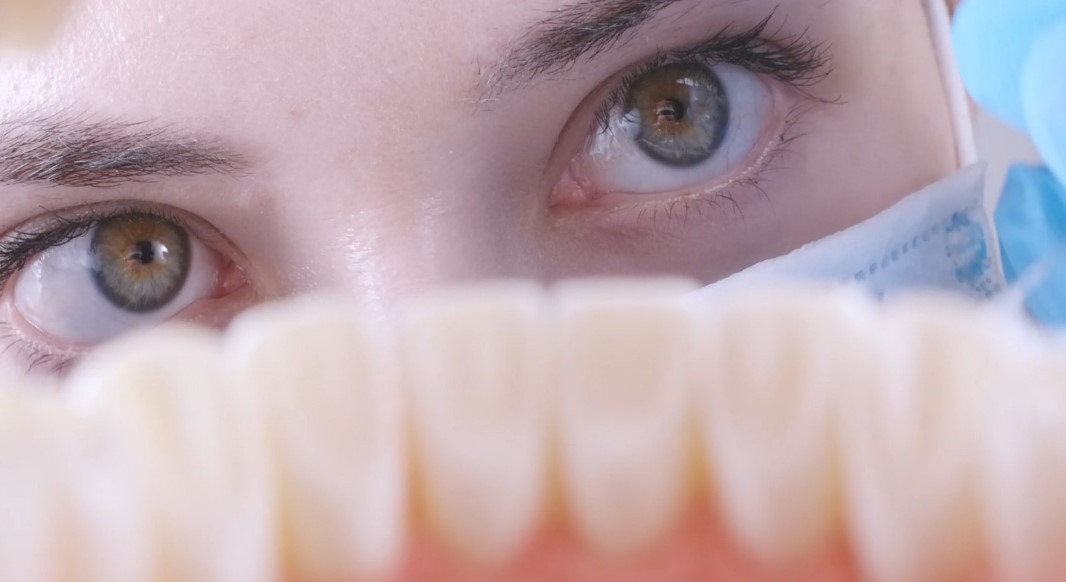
{"type": "Point", "coordinates": [1024, 461]}
{"type": "Point", "coordinates": [909, 442]}
{"type": "Point", "coordinates": [624, 394]}
{"type": "Point", "coordinates": [477, 369]}
{"type": "Point", "coordinates": [327, 375]}
{"type": "Point", "coordinates": [198, 447]}
{"type": "Point", "coordinates": [770, 372]}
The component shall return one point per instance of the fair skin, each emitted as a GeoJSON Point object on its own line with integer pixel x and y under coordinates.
{"type": "Point", "coordinates": [378, 147]}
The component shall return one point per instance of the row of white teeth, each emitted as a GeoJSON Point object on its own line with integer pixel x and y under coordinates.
{"type": "Point", "coordinates": [929, 434]}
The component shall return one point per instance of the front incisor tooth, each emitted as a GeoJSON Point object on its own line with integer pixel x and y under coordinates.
{"type": "Point", "coordinates": [1024, 462]}
{"type": "Point", "coordinates": [477, 368]}
{"type": "Point", "coordinates": [624, 393]}
{"type": "Point", "coordinates": [68, 496]}
{"type": "Point", "coordinates": [769, 372]}
{"type": "Point", "coordinates": [199, 447]}
{"type": "Point", "coordinates": [909, 439]}
{"type": "Point", "coordinates": [334, 410]}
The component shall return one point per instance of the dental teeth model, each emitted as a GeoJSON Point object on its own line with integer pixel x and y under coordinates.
{"type": "Point", "coordinates": [602, 431]}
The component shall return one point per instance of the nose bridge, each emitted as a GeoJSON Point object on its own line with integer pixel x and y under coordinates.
{"type": "Point", "coordinates": [347, 206]}
{"type": "Point", "coordinates": [383, 182]}
{"type": "Point", "coordinates": [346, 241]}
{"type": "Point", "coordinates": [378, 231]}
{"type": "Point", "coordinates": [389, 237]}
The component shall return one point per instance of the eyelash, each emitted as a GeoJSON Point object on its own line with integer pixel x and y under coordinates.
{"type": "Point", "coordinates": [34, 356]}
{"type": "Point", "coordinates": [796, 61]}
{"type": "Point", "coordinates": [19, 247]}
{"type": "Point", "coordinates": [664, 217]}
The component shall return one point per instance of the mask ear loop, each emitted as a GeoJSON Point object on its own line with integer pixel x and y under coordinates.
{"type": "Point", "coordinates": [939, 18]}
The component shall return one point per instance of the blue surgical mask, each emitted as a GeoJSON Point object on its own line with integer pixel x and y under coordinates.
{"type": "Point", "coordinates": [938, 238]}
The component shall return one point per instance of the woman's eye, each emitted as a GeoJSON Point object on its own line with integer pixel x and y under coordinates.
{"type": "Point", "coordinates": [140, 263]}
{"type": "Point", "coordinates": [127, 271]}
{"type": "Point", "coordinates": [677, 115]}
{"type": "Point", "coordinates": [675, 128]}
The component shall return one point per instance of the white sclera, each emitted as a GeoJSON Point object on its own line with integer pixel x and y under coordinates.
{"type": "Point", "coordinates": [57, 294]}
{"type": "Point", "coordinates": [617, 165]}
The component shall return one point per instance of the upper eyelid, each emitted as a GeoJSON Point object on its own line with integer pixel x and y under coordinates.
{"type": "Point", "coordinates": [534, 54]}
{"type": "Point", "coordinates": [797, 60]}
{"type": "Point", "coordinates": [53, 229]}
{"type": "Point", "coordinates": [19, 246]}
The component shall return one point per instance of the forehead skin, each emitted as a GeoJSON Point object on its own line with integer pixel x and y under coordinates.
{"type": "Point", "coordinates": [374, 168]}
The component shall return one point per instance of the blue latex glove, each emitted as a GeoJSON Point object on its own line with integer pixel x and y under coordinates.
{"type": "Point", "coordinates": [1044, 96]}
{"type": "Point", "coordinates": [1013, 58]}
{"type": "Point", "coordinates": [994, 40]}
{"type": "Point", "coordinates": [1031, 219]}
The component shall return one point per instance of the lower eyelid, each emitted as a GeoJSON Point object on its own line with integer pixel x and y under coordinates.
{"type": "Point", "coordinates": [668, 212]}
{"type": "Point", "coordinates": [671, 216]}
{"type": "Point", "coordinates": [749, 174]}
{"type": "Point", "coordinates": [20, 346]}
{"type": "Point", "coordinates": [24, 346]}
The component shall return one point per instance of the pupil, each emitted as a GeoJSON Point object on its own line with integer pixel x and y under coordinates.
{"type": "Point", "coordinates": [678, 114]}
{"type": "Point", "coordinates": [146, 253]}
{"type": "Point", "coordinates": [140, 262]}
{"type": "Point", "coordinates": [670, 110]}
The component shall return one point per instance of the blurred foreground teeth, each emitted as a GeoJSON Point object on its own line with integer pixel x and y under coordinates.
{"type": "Point", "coordinates": [30, 22]}
{"type": "Point", "coordinates": [625, 425]}
{"type": "Point", "coordinates": [909, 436]}
{"type": "Point", "coordinates": [769, 374]}
{"type": "Point", "coordinates": [199, 450]}
{"type": "Point", "coordinates": [929, 436]}
{"type": "Point", "coordinates": [1024, 466]}
{"type": "Point", "coordinates": [30, 521]}
{"type": "Point", "coordinates": [68, 496]}
{"type": "Point", "coordinates": [328, 377]}
{"type": "Point", "coordinates": [477, 367]}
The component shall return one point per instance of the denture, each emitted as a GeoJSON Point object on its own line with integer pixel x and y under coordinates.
{"type": "Point", "coordinates": [597, 431]}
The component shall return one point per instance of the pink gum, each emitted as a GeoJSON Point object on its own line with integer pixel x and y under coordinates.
{"type": "Point", "coordinates": [699, 550]}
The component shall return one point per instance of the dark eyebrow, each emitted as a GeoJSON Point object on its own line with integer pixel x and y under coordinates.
{"type": "Point", "coordinates": [66, 150]}
{"type": "Point", "coordinates": [554, 45]}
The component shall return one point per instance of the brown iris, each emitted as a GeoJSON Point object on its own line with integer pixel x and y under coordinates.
{"type": "Point", "coordinates": [678, 114]}
{"type": "Point", "coordinates": [141, 261]}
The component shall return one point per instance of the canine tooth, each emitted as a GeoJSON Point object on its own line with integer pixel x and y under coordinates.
{"type": "Point", "coordinates": [328, 377]}
{"type": "Point", "coordinates": [477, 365]}
{"type": "Point", "coordinates": [769, 373]}
{"type": "Point", "coordinates": [624, 396]}
{"type": "Point", "coordinates": [909, 441]}
{"type": "Point", "coordinates": [1024, 462]}
{"type": "Point", "coordinates": [29, 529]}
{"type": "Point", "coordinates": [101, 503]}
{"type": "Point", "coordinates": [199, 448]}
